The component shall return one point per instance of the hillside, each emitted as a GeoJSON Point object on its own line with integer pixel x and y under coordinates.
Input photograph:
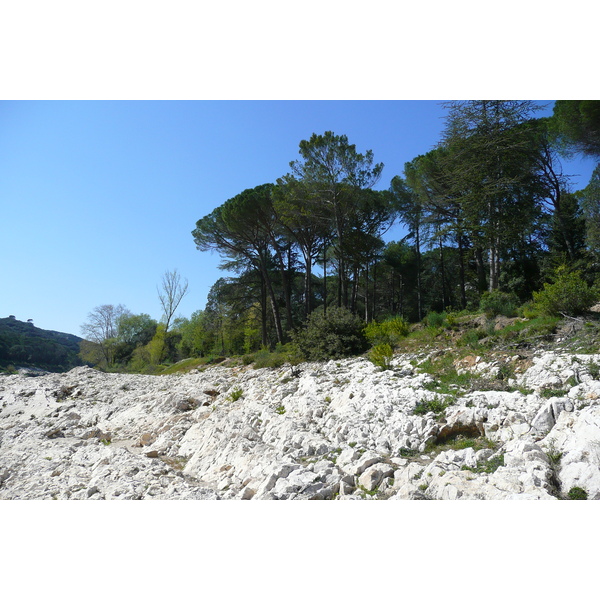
{"type": "Point", "coordinates": [22, 344]}
{"type": "Point", "coordinates": [520, 421]}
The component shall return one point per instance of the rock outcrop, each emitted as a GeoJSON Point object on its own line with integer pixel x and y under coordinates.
{"type": "Point", "coordinates": [338, 430]}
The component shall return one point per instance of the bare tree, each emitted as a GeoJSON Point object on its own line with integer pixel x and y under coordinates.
{"type": "Point", "coordinates": [101, 330]}
{"type": "Point", "coordinates": [171, 295]}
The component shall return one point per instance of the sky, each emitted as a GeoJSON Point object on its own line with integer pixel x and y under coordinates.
{"type": "Point", "coordinates": [99, 198]}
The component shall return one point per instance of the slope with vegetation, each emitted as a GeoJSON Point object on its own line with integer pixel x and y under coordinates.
{"type": "Point", "coordinates": [22, 344]}
{"type": "Point", "coordinates": [491, 221]}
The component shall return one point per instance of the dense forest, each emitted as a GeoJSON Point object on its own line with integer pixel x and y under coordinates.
{"type": "Point", "coordinates": [24, 344]}
{"type": "Point", "coordinates": [489, 215]}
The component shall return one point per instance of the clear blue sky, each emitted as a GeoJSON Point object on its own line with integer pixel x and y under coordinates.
{"type": "Point", "coordinates": [99, 199]}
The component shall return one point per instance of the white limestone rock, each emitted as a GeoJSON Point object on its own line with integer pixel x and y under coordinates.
{"type": "Point", "coordinates": [92, 435]}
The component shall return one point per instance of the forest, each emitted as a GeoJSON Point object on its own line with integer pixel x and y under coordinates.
{"type": "Point", "coordinates": [24, 344]}
{"type": "Point", "coordinates": [490, 220]}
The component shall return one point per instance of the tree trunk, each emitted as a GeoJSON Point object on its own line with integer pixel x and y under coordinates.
{"type": "Point", "coordinates": [461, 262]}
{"type": "Point", "coordinates": [263, 312]}
{"type": "Point", "coordinates": [494, 265]}
{"type": "Point", "coordinates": [287, 294]}
{"type": "Point", "coordinates": [481, 279]}
{"type": "Point", "coordinates": [367, 292]}
{"type": "Point", "coordinates": [324, 281]}
{"type": "Point", "coordinates": [355, 282]}
{"type": "Point", "coordinates": [274, 306]}
{"type": "Point", "coordinates": [419, 299]}
{"type": "Point", "coordinates": [443, 272]}
{"type": "Point", "coordinates": [374, 304]}
{"type": "Point", "coordinates": [307, 285]}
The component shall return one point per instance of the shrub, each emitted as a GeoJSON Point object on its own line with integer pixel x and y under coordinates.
{"type": "Point", "coordinates": [381, 355]}
{"type": "Point", "coordinates": [471, 338]}
{"type": "Point", "coordinates": [264, 358]}
{"type": "Point", "coordinates": [528, 310]}
{"type": "Point", "coordinates": [568, 295]}
{"type": "Point", "coordinates": [336, 334]}
{"type": "Point", "coordinates": [435, 320]}
{"type": "Point", "coordinates": [435, 406]}
{"type": "Point", "coordinates": [287, 353]}
{"type": "Point", "coordinates": [577, 493]}
{"type": "Point", "coordinates": [389, 331]}
{"type": "Point", "coordinates": [499, 303]}
{"type": "Point", "coordinates": [594, 370]}
{"type": "Point", "coordinates": [235, 395]}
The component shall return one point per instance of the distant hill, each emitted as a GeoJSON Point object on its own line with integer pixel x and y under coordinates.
{"type": "Point", "coordinates": [22, 344]}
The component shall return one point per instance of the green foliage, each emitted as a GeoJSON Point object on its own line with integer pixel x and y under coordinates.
{"type": "Point", "coordinates": [554, 455]}
{"type": "Point", "coordinates": [471, 337]}
{"type": "Point", "coordinates": [577, 493]}
{"type": "Point", "coordinates": [408, 452]}
{"type": "Point", "coordinates": [499, 303]}
{"type": "Point", "coordinates": [553, 393]}
{"type": "Point", "coordinates": [594, 370]}
{"type": "Point", "coordinates": [23, 344]}
{"type": "Point", "coordinates": [265, 359]}
{"type": "Point", "coordinates": [436, 406]}
{"type": "Point", "coordinates": [541, 326]}
{"type": "Point", "coordinates": [381, 355]}
{"type": "Point", "coordinates": [486, 466]}
{"type": "Point", "coordinates": [157, 346]}
{"type": "Point", "coordinates": [235, 395]}
{"type": "Point", "coordinates": [388, 332]}
{"type": "Point", "coordinates": [528, 310]}
{"type": "Point", "coordinates": [577, 124]}
{"type": "Point", "coordinates": [435, 320]}
{"type": "Point", "coordinates": [568, 295]}
{"type": "Point", "coordinates": [283, 354]}
{"type": "Point", "coordinates": [195, 337]}
{"type": "Point", "coordinates": [590, 205]}
{"type": "Point", "coordinates": [136, 330]}
{"type": "Point", "coordinates": [336, 334]}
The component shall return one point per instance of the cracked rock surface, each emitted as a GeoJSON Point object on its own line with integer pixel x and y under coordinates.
{"type": "Point", "coordinates": [342, 430]}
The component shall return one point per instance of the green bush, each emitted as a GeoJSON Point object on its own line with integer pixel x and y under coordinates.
{"type": "Point", "coordinates": [381, 355]}
{"type": "Point", "coordinates": [577, 493]}
{"type": "Point", "coordinates": [436, 406]}
{"type": "Point", "coordinates": [568, 295]}
{"type": "Point", "coordinates": [336, 334]}
{"type": "Point", "coordinates": [471, 338]}
{"type": "Point", "coordinates": [264, 358]}
{"type": "Point", "coordinates": [287, 353]}
{"type": "Point", "coordinates": [235, 395]}
{"type": "Point", "coordinates": [388, 332]}
{"type": "Point", "coordinates": [528, 310]}
{"type": "Point", "coordinates": [435, 320]}
{"type": "Point", "coordinates": [499, 303]}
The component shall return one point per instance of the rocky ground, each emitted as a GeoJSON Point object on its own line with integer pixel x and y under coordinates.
{"type": "Point", "coordinates": [338, 430]}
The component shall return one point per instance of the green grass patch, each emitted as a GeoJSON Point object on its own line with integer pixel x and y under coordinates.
{"type": "Point", "coordinates": [486, 466]}
{"type": "Point", "coordinates": [577, 493]}
{"type": "Point", "coordinates": [541, 326]}
{"type": "Point", "coordinates": [235, 395]}
{"type": "Point", "coordinates": [436, 406]}
{"type": "Point", "coordinates": [552, 393]}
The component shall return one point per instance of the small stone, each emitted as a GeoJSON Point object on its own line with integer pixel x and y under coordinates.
{"type": "Point", "coordinates": [187, 404]}
{"type": "Point", "coordinates": [146, 439]}
{"type": "Point", "coordinates": [55, 432]}
{"type": "Point", "coordinates": [247, 493]}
